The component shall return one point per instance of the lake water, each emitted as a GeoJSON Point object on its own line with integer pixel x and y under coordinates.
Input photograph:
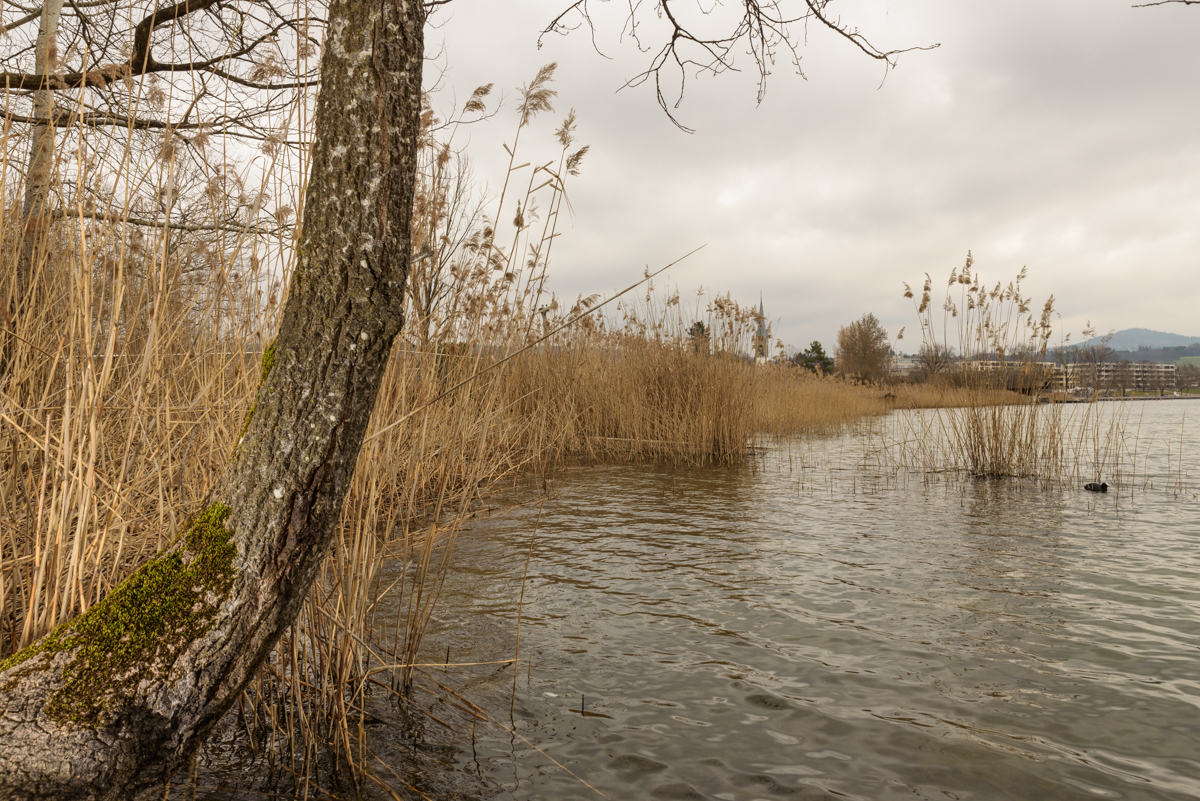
{"type": "Point", "coordinates": [802, 628]}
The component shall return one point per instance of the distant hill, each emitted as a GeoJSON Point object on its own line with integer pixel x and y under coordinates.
{"type": "Point", "coordinates": [1133, 338]}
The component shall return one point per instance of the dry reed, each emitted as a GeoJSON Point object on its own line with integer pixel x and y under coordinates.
{"type": "Point", "coordinates": [987, 355]}
{"type": "Point", "coordinates": [127, 368]}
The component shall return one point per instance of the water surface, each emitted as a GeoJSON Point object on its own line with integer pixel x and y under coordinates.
{"type": "Point", "coordinates": [802, 628]}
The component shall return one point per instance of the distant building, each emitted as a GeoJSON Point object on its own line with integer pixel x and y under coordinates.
{"type": "Point", "coordinates": [1108, 377]}
{"type": "Point", "coordinates": [905, 365]}
{"type": "Point", "coordinates": [1026, 376]}
{"type": "Point", "coordinates": [1123, 375]}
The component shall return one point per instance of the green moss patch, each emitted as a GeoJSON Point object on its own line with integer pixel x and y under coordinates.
{"type": "Point", "coordinates": [138, 631]}
{"type": "Point", "coordinates": [268, 360]}
{"type": "Point", "coordinates": [249, 417]}
{"type": "Point", "coordinates": [267, 363]}
{"type": "Point", "coordinates": [29, 652]}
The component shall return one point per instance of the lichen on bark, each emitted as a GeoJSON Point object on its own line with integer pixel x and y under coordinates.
{"type": "Point", "coordinates": [140, 628]}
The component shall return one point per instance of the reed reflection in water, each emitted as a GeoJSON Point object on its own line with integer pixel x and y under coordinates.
{"type": "Point", "coordinates": [799, 628]}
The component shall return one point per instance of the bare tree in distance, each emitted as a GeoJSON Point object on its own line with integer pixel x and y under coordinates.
{"type": "Point", "coordinates": [863, 349]}
{"type": "Point", "coordinates": [1123, 375]}
{"type": "Point", "coordinates": [1187, 377]}
{"type": "Point", "coordinates": [699, 336]}
{"type": "Point", "coordinates": [935, 359]}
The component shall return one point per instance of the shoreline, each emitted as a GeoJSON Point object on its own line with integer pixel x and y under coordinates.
{"type": "Point", "coordinates": [1148, 398]}
{"type": "Point", "coordinates": [1120, 400]}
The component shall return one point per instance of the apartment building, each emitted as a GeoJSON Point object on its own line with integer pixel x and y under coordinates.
{"type": "Point", "coordinates": [1108, 378]}
{"type": "Point", "coordinates": [1121, 376]}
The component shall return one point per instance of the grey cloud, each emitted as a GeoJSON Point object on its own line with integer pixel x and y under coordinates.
{"type": "Point", "coordinates": [1059, 135]}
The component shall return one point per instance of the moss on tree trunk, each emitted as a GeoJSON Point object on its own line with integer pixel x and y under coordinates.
{"type": "Point", "coordinates": [138, 630]}
{"type": "Point", "coordinates": [112, 703]}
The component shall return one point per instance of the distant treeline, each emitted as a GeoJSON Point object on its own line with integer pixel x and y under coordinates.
{"type": "Point", "coordinates": [1168, 355]}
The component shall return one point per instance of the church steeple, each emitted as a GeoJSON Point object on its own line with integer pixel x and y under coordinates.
{"type": "Point", "coordinates": [761, 345]}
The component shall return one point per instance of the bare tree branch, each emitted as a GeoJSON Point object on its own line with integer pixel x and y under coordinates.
{"type": "Point", "coordinates": [761, 28]}
{"type": "Point", "coordinates": [119, 219]}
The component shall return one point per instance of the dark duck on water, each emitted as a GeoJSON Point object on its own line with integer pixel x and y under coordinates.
{"type": "Point", "coordinates": [1094, 487]}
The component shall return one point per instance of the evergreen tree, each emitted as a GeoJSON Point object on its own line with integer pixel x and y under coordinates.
{"type": "Point", "coordinates": [815, 358]}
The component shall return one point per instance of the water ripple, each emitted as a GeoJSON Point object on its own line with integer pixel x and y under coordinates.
{"type": "Point", "coordinates": [744, 634]}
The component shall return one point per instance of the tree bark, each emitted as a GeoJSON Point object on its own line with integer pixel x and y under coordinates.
{"type": "Point", "coordinates": [40, 169]}
{"type": "Point", "coordinates": [112, 703]}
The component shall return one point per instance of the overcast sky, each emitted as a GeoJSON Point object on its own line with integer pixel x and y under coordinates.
{"type": "Point", "coordinates": [1059, 134]}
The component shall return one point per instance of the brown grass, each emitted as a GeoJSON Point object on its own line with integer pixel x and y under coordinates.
{"type": "Point", "coordinates": [128, 372]}
{"type": "Point", "coordinates": [944, 396]}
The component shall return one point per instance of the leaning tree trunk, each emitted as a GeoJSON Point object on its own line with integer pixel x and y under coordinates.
{"type": "Point", "coordinates": [111, 703]}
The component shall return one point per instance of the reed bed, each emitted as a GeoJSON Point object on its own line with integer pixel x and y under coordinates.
{"type": "Point", "coordinates": [131, 343]}
{"type": "Point", "coordinates": [1052, 444]}
{"type": "Point", "coordinates": [941, 395]}
{"type": "Point", "coordinates": [987, 354]}
{"type": "Point", "coordinates": [105, 456]}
